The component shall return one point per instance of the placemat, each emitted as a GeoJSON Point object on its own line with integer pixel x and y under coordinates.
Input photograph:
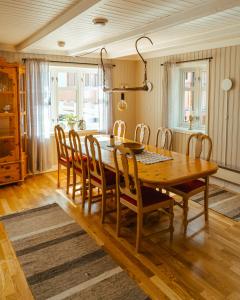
{"type": "Point", "coordinates": [147, 157]}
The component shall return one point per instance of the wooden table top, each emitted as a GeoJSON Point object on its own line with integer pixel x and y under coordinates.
{"type": "Point", "coordinates": [178, 170]}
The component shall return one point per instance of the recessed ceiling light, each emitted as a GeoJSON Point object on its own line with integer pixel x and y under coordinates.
{"type": "Point", "coordinates": [100, 21]}
{"type": "Point", "coordinates": [61, 44]}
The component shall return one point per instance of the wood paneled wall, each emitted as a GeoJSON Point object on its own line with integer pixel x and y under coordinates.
{"type": "Point", "coordinates": [224, 107]}
{"type": "Point", "coordinates": [125, 73]}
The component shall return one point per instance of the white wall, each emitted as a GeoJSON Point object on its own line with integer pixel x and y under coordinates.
{"type": "Point", "coordinates": [225, 134]}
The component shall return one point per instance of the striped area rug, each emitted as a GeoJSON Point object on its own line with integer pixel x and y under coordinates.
{"type": "Point", "coordinates": [222, 201]}
{"type": "Point", "coordinates": [61, 261]}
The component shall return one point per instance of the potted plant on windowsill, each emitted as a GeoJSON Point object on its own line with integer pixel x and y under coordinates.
{"type": "Point", "coordinates": [71, 121]}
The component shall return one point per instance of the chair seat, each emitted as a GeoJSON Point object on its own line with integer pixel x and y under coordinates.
{"type": "Point", "coordinates": [110, 178]}
{"type": "Point", "coordinates": [189, 186]}
{"type": "Point", "coordinates": [149, 197]}
{"type": "Point", "coordinates": [64, 160]}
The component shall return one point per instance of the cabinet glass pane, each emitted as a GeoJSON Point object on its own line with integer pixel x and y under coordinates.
{"type": "Point", "coordinates": [6, 93]}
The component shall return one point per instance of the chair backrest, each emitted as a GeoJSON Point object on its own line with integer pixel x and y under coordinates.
{"type": "Point", "coordinates": [199, 138]}
{"type": "Point", "coordinates": [94, 158]}
{"type": "Point", "coordinates": [76, 150]}
{"type": "Point", "coordinates": [164, 138]}
{"type": "Point", "coordinates": [126, 183]}
{"type": "Point", "coordinates": [60, 138]}
{"type": "Point", "coordinates": [142, 133]}
{"type": "Point", "coordinates": [119, 128]}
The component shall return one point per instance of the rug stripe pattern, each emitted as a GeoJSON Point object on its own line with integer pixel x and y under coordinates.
{"type": "Point", "coordinates": [222, 201]}
{"type": "Point", "coordinates": [61, 261]}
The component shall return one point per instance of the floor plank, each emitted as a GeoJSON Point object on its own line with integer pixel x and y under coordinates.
{"type": "Point", "coordinates": [205, 265]}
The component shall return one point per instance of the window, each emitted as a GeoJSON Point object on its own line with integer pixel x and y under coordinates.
{"type": "Point", "coordinates": [191, 92]}
{"type": "Point", "coordinates": [75, 95]}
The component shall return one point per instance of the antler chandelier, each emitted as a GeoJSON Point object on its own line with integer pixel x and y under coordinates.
{"type": "Point", "coordinates": [147, 85]}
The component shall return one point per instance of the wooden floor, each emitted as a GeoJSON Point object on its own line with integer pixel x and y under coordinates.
{"type": "Point", "coordinates": [205, 265]}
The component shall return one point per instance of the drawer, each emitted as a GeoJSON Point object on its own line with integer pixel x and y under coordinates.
{"type": "Point", "coordinates": [9, 173]}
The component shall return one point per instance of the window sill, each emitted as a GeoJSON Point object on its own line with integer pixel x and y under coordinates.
{"type": "Point", "coordinates": [187, 131]}
{"type": "Point", "coordinates": [82, 132]}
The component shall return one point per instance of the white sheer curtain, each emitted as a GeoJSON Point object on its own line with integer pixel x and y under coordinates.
{"type": "Point", "coordinates": [38, 111]}
{"type": "Point", "coordinates": [105, 101]}
{"type": "Point", "coordinates": [167, 95]}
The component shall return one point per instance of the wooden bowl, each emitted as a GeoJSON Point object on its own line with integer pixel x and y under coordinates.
{"type": "Point", "coordinates": [135, 147]}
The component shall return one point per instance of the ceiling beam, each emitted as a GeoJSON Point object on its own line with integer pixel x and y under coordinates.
{"type": "Point", "coordinates": [60, 20]}
{"type": "Point", "coordinates": [204, 40]}
{"type": "Point", "coordinates": [203, 10]}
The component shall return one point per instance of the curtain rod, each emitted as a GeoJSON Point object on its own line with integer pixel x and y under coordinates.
{"type": "Point", "coordinates": [71, 62]}
{"type": "Point", "coordinates": [185, 61]}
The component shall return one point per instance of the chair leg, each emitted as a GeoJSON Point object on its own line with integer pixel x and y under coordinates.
{"type": "Point", "coordinates": [89, 197]}
{"type": "Point", "coordinates": [206, 198]}
{"type": "Point", "coordinates": [83, 192]}
{"type": "Point", "coordinates": [185, 214]}
{"type": "Point", "coordinates": [119, 215]}
{"type": "Point", "coordinates": [58, 180]}
{"type": "Point", "coordinates": [74, 186]}
{"type": "Point", "coordinates": [139, 231]}
{"type": "Point", "coordinates": [68, 178]}
{"type": "Point", "coordinates": [171, 220]}
{"type": "Point", "coordinates": [103, 210]}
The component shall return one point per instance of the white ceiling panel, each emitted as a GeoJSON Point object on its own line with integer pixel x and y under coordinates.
{"type": "Point", "coordinates": [123, 16]}
{"type": "Point", "coordinates": [28, 24]}
{"type": "Point", "coordinates": [19, 19]}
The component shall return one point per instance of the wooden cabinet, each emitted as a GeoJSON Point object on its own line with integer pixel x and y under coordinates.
{"type": "Point", "coordinates": [13, 123]}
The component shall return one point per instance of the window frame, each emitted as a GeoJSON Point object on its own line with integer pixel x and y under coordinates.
{"type": "Point", "coordinates": [197, 68]}
{"type": "Point", "coordinates": [53, 71]}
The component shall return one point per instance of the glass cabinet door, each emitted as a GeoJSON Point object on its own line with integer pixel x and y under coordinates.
{"type": "Point", "coordinates": [8, 115]}
{"type": "Point", "coordinates": [23, 109]}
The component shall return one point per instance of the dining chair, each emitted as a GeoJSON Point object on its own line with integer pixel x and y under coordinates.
{"type": "Point", "coordinates": [119, 128]}
{"type": "Point", "coordinates": [63, 157]}
{"type": "Point", "coordinates": [193, 187]}
{"type": "Point", "coordinates": [135, 196]}
{"type": "Point", "coordinates": [142, 134]}
{"type": "Point", "coordinates": [164, 138]}
{"type": "Point", "coordinates": [98, 175]}
{"type": "Point", "coordinates": [79, 164]}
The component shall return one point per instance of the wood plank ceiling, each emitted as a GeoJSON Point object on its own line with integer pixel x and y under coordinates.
{"type": "Point", "coordinates": [20, 20]}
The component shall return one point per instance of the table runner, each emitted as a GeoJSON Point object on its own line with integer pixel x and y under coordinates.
{"type": "Point", "coordinates": [146, 157]}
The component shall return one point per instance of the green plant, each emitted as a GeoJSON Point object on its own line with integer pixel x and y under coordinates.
{"type": "Point", "coordinates": [70, 118]}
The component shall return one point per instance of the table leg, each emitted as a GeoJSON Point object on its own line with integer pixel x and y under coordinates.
{"type": "Point", "coordinates": [206, 198]}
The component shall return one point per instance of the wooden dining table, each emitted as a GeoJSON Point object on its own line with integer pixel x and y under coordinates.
{"type": "Point", "coordinates": [181, 168]}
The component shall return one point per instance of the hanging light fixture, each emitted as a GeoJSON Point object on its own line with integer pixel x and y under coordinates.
{"type": "Point", "coordinates": [147, 85]}
{"type": "Point", "coordinates": [122, 104]}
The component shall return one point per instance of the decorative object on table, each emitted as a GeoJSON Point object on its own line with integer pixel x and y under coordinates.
{"type": "Point", "coordinates": [42, 249]}
{"type": "Point", "coordinates": [147, 86]}
{"type": "Point", "coordinates": [122, 104]}
{"type": "Point", "coordinates": [81, 124]}
{"type": "Point", "coordinates": [135, 147]}
{"type": "Point", "coordinates": [7, 108]}
{"type": "Point", "coordinates": [112, 140]}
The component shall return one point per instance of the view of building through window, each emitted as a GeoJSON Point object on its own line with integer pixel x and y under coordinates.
{"type": "Point", "coordinates": [75, 96]}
